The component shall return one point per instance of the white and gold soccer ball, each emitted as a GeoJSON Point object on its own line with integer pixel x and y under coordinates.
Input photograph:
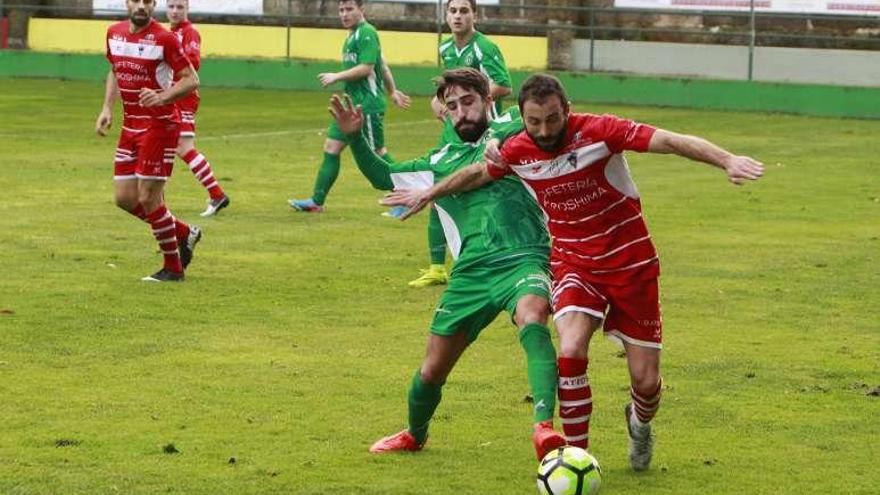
{"type": "Point", "coordinates": [569, 471]}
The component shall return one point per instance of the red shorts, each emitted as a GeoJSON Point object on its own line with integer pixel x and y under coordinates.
{"type": "Point", "coordinates": [188, 107]}
{"type": "Point", "coordinates": [146, 153]}
{"type": "Point", "coordinates": [631, 312]}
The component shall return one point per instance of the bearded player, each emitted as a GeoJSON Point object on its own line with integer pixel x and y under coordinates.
{"type": "Point", "coordinates": [145, 59]}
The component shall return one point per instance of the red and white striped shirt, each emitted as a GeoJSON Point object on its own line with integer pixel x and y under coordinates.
{"type": "Point", "coordinates": [191, 42]}
{"type": "Point", "coordinates": [590, 202]}
{"type": "Point", "coordinates": [146, 59]}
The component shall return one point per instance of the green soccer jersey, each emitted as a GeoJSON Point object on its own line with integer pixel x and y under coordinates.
{"type": "Point", "coordinates": [480, 53]}
{"type": "Point", "coordinates": [362, 47]}
{"type": "Point", "coordinates": [495, 223]}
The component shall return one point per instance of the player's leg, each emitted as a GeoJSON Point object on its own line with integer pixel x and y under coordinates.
{"type": "Point", "coordinates": [634, 319]}
{"type": "Point", "coordinates": [524, 291]}
{"type": "Point", "coordinates": [425, 392]}
{"type": "Point", "coordinates": [125, 183]}
{"type": "Point", "coordinates": [199, 165]}
{"type": "Point", "coordinates": [327, 172]}
{"type": "Point", "coordinates": [463, 311]}
{"type": "Point", "coordinates": [153, 170]}
{"type": "Point", "coordinates": [579, 309]}
{"type": "Point", "coordinates": [436, 273]}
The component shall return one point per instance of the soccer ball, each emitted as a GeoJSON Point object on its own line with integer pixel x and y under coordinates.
{"type": "Point", "coordinates": [569, 471]}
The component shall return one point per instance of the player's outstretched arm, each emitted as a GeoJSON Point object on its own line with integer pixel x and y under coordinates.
{"type": "Point", "coordinates": [466, 179]}
{"type": "Point", "coordinates": [189, 82]}
{"type": "Point", "coordinates": [105, 118]}
{"type": "Point", "coordinates": [397, 96]}
{"type": "Point", "coordinates": [739, 169]}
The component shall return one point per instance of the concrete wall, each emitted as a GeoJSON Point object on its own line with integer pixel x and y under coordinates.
{"type": "Point", "coordinates": [771, 64]}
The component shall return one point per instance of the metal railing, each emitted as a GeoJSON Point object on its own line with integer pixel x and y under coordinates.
{"type": "Point", "coordinates": [742, 28]}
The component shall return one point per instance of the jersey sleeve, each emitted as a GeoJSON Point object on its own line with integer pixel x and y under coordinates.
{"type": "Point", "coordinates": [173, 53]}
{"type": "Point", "coordinates": [192, 47]}
{"type": "Point", "coordinates": [625, 135]}
{"type": "Point", "coordinates": [493, 64]}
{"type": "Point", "coordinates": [369, 49]}
{"type": "Point", "coordinates": [385, 175]}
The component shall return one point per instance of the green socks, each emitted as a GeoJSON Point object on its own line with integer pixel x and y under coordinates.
{"type": "Point", "coordinates": [436, 239]}
{"type": "Point", "coordinates": [327, 175]}
{"type": "Point", "coordinates": [542, 371]}
{"type": "Point", "coordinates": [423, 400]}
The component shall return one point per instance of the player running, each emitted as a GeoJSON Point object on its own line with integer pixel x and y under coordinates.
{"type": "Point", "coordinates": [366, 76]}
{"type": "Point", "coordinates": [500, 244]}
{"type": "Point", "coordinates": [191, 41]}
{"type": "Point", "coordinates": [467, 47]}
{"type": "Point", "coordinates": [144, 57]}
{"type": "Point", "coordinates": [605, 267]}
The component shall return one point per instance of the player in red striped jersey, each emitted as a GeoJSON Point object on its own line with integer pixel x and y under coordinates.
{"type": "Point", "coordinates": [191, 41]}
{"type": "Point", "coordinates": [145, 58]}
{"type": "Point", "coordinates": [604, 265]}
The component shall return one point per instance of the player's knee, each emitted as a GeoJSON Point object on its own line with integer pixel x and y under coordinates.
{"type": "Point", "coordinates": [572, 347]}
{"type": "Point", "coordinates": [432, 375]}
{"type": "Point", "coordinates": [645, 381]}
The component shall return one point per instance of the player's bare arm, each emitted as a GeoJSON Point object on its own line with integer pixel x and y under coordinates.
{"type": "Point", "coordinates": [467, 179]}
{"type": "Point", "coordinates": [189, 82]}
{"type": "Point", "coordinates": [739, 169]}
{"type": "Point", "coordinates": [105, 118]}
{"type": "Point", "coordinates": [397, 96]}
{"type": "Point", "coordinates": [360, 71]}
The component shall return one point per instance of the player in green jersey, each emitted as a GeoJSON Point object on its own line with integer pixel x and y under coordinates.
{"type": "Point", "coordinates": [467, 47]}
{"type": "Point", "coordinates": [366, 77]}
{"type": "Point", "coordinates": [499, 239]}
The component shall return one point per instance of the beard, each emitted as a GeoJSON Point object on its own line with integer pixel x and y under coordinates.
{"type": "Point", "coordinates": [551, 143]}
{"type": "Point", "coordinates": [139, 18]}
{"type": "Point", "coordinates": [470, 131]}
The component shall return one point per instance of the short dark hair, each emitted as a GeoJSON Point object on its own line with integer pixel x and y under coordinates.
{"type": "Point", "coordinates": [465, 78]}
{"type": "Point", "coordinates": [360, 3]}
{"type": "Point", "coordinates": [472, 2]}
{"type": "Point", "coordinates": [540, 87]}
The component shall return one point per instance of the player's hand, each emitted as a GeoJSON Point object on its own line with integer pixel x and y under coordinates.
{"type": "Point", "coordinates": [349, 118]}
{"type": "Point", "coordinates": [492, 154]}
{"type": "Point", "coordinates": [150, 98]}
{"type": "Point", "coordinates": [743, 168]}
{"type": "Point", "coordinates": [104, 122]}
{"type": "Point", "coordinates": [414, 199]}
{"type": "Point", "coordinates": [327, 78]}
{"type": "Point", "coordinates": [400, 99]}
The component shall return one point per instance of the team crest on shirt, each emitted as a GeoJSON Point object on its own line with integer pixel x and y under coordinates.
{"type": "Point", "coordinates": [469, 59]}
{"type": "Point", "coordinates": [572, 159]}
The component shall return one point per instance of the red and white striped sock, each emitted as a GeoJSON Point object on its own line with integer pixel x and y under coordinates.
{"type": "Point", "coordinates": [181, 230]}
{"type": "Point", "coordinates": [139, 212]}
{"type": "Point", "coordinates": [200, 167]}
{"type": "Point", "coordinates": [645, 407]}
{"type": "Point", "coordinates": [162, 222]}
{"type": "Point", "coordinates": [575, 401]}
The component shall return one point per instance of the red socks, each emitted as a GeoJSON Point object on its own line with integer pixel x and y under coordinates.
{"type": "Point", "coordinates": [200, 167]}
{"type": "Point", "coordinates": [575, 401]}
{"type": "Point", "coordinates": [165, 231]}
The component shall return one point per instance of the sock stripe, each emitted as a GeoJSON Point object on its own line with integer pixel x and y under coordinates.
{"type": "Point", "coordinates": [579, 419]}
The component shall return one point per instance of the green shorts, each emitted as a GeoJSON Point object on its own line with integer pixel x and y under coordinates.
{"type": "Point", "coordinates": [476, 296]}
{"type": "Point", "coordinates": [373, 131]}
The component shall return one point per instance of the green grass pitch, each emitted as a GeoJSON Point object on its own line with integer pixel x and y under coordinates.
{"type": "Point", "coordinates": [289, 348]}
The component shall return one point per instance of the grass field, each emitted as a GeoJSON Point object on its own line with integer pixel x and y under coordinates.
{"type": "Point", "coordinates": [289, 348]}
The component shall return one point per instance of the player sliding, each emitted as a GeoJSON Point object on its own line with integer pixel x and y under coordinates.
{"type": "Point", "coordinates": [366, 76]}
{"type": "Point", "coordinates": [605, 268]}
{"type": "Point", "coordinates": [500, 244]}
{"type": "Point", "coordinates": [191, 41]}
{"type": "Point", "coordinates": [141, 53]}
